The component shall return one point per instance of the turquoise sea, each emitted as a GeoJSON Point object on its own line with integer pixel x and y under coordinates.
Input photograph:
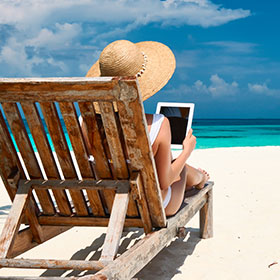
{"type": "Point", "coordinates": [215, 133]}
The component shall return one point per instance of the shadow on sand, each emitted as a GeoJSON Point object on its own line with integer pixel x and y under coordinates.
{"type": "Point", "coordinates": [160, 268]}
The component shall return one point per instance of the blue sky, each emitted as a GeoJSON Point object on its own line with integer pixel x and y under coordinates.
{"type": "Point", "coordinates": [227, 52]}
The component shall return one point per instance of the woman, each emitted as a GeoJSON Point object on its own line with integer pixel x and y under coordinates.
{"type": "Point", "coordinates": [153, 64]}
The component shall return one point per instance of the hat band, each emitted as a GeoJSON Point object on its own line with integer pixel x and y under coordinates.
{"type": "Point", "coordinates": [143, 65]}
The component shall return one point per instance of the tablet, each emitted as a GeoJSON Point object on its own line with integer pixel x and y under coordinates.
{"type": "Point", "coordinates": [180, 116]}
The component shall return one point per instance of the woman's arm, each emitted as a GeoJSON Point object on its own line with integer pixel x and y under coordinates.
{"type": "Point", "coordinates": [168, 172]}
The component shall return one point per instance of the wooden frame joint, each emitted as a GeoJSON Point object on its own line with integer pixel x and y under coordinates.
{"type": "Point", "coordinates": [138, 194]}
{"type": "Point", "coordinates": [14, 178]}
{"type": "Point", "coordinates": [134, 185]}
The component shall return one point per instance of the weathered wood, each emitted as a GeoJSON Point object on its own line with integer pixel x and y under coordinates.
{"type": "Point", "coordinates": [78, 144]}
{"type": "Point", "coordinates": [73, 129]}
{"type": "Point", "coordinates": [52, 264]}
{"type": "Point", "coordinates": [85, 221]}
{"type": "Point", "coordinates": [37, 278]}
{"type": "Point", "coordinates": [35, 227]}
{"type": "Point", "coordinates": [12, 223]}
{"type": "Point", "coordinates": [138, 194]}
{"type": "Point", "coordinates": [140, 254]}
{"type": "Point", "coordinates": [93, 138]}
{"type": "Point", "coordinates": [206, 217]}
{"type": "Point", "coordinates": [22, 139]}
{"type": "Point", "coordinates": [113, 138]}
{"type": "Point", "coordinates": [134, 125]}
{"type": "Point", "coordinates": [112, 159]}
{"type": "Point", "coordinates": [9, 163]}
{"type": "Point", "coordinates": [43, 148]}
{"type": "Point", "coordinates": [24, 239]}
{"type": "Point", "coordinates": [24, 145]}
{"type": "Point", "coordinates": [58, 89]}
{"type": "Point", "coordinates": [61, 148]}
{"type": "Point", "coordinates": [115, 227]}
{"type": "Point", "coordinates": [77, 184]}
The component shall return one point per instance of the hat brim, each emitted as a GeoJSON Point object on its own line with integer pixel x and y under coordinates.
{"type": "Point", "coordinates": [160, 67]}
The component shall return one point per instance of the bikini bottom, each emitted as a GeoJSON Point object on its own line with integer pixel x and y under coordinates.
{"type": "Point", "coordinates": [167, 198]}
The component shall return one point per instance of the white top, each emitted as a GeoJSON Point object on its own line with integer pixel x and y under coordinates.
{"type": "Point", "coordinates": [155, 127]}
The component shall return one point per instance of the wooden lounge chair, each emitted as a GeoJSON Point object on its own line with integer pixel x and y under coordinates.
{"type": "Point", "coordinates": [106, 177]}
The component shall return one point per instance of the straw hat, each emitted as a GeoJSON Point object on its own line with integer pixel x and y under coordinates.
{"type": "Point", "coordinates": [153, 63]}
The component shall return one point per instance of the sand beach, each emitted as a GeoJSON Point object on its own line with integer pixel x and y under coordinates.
{"type": "Point", "coordinates": [246, 225]}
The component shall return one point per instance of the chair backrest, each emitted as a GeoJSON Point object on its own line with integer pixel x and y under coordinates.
{"type": "Point", "coordinates": [77, 129]}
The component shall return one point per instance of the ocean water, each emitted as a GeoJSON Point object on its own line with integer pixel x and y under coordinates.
{"type": "Point", "coordinates": [216, 133]}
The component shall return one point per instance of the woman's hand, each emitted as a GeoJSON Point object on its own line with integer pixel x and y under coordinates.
{"type": "Point", "coordinates": [189, 142]}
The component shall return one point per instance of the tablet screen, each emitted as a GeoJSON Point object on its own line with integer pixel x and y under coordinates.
{"type": "Point", "coordinates": [180, 118]}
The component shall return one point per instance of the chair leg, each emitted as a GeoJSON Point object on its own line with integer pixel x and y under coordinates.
{"type": "Point", "coordinates": [115, 227]}
{"type": "Point", "coordinates": [12, 223]}
{"type": "Point", "coordinates": [206, 217]}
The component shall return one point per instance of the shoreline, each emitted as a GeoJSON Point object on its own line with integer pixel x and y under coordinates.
{"type": "Point", "coordinates": [246, 225]}
{"type": "Point", "coordinates": [274, 146]}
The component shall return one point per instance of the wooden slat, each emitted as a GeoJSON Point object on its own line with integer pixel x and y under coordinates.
{"type": "Point", "coordinates": [26, 150]}
{"type": "Point", "coordinates": [22, 140]}
{"type": "Point", "coordinates": [73, 129]}
{"type": "Point", "coordinates": [54, 127]}
{"type": "Point", "coordinates": [24, 145]}
{"type": "Point", "coordinates": [132, 210]}
{"type": "Point", "coordinates": [94, 140]}
{"type": "Point", "coordinates": [115, 227]}
{"type": "Point", "coordinates": [12, 223]}
{"type": "Point", "coordinates": [138, 191]}
{"type": "Point", "coordinates": [85, 221]}
{"type": "Point", "coordinates": [39, 278]}
{"type": "Point", "coordinates": [58, 89]}
{"type": "Point", "coordinates": [9, 161]}
{"type": "Point", "coordinates": [78, 144]}
{"type": "Point", "coordinates": [114, 137]}
{"type": "Point", "coordinates": [134, 125]}
{"type": "Point", "coordinates": [52, 264]}
{"type": "Point", "coordinates": [40, 139]}
{"type": "Point", "coordinates": [44, 150]}
{"type": "Point", "coordinates": [10, 166]}
{"type": "Point", "coordinates": [87, 184]}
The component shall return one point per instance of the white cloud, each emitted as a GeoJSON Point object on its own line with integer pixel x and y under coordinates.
{"type": "Point", "coordinates": [200, 87]}
{"type": "Point", "coordinates": [220, 87]}
{"type": "Point", "coordinates": [217, 88]}
{"type": "Point", "coordinates": [263, 89]}
{"type": "Point", "coordinates": [14, 57]}
{"type": "Point", "coordinates": [58, 29]}
{"type": "Point", "coordinates": [194, 12]}
{"type": "Point", "coordinates": [234, 47]}
{"type": "Point", "coordinates": [61, 38]}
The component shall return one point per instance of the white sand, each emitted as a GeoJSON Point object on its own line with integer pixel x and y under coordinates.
{"type": "Point", "coordinates": [246, 225]}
